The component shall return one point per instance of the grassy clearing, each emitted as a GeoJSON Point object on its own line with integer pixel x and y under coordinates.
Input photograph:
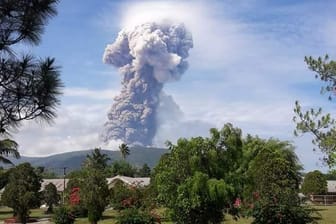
{"type": "Point", "coordinates": [328, 214]}
{"type": "Point", "coordinates": [6, 212]}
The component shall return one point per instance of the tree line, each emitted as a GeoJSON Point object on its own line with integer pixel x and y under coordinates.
{"type": "Point", "coordinates": [199, 180]}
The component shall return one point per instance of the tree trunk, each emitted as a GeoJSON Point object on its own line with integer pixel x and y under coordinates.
{"type": "Point", "coordinates": [22, 218]}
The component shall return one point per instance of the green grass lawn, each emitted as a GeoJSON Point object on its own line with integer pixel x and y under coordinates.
{"type": "Point", "coordinates": [328, 214]}
{"type": "Point", "coordinates": [6, 212]}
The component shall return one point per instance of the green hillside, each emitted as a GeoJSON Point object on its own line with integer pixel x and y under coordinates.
{"type": "Point", "coordinates": [73, 160]}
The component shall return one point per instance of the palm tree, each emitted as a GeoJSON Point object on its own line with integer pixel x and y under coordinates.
{"type": "Point", "coordinates": [97, 159]}
{"type": "Point", "coordinates": [8, 147]}
{"type": "Point", "coordinates": [124, 150]}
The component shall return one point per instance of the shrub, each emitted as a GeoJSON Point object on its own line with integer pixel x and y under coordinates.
{"type": "Point", "coordinates": [282, 214]}
{"type": "Point", "coordinates": [63, 216]}
{"type": "Point", "coordinates": [123, 197]}
{"type": "Point", "coordinates": [79, 211]}
{"type": "Point", "coordinates": [135, 216]}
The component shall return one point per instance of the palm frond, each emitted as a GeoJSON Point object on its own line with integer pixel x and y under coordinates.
{"type": "Point", "coordinates": [9, 147]}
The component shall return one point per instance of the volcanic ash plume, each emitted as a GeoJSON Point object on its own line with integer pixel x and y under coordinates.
{"type": "Point", "coordinates": [147, 57]}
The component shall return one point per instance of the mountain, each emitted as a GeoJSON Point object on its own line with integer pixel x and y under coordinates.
{"type": "Point", "coordinates": [73, 160]}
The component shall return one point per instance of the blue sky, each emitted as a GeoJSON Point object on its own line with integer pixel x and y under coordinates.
{"type": "Point", "coordinates": [246, 68]}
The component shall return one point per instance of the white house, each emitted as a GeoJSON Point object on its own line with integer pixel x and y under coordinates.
{"type": "Point", "coordinates": [130, 181]}
{"type": "Point", "coordinates": [331, 184]}
{"type": "Point", "coordinates": [59, 183]}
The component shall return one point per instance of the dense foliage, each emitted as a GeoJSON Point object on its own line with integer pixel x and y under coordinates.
{"type": "Point", "coordinates": [196, 180]}
{"type": "Point", "coordinates": [94, 192]}
{"type": "Point", "coordinates": [29, 86]}
{"type": "Point", "coordinates": [63, 216]}
{"type": "Point", "coordinates": [321, 125]}
{"type": "Point", "coordinates": [97, 160]}
{"type": "Point", "coordinates": [123, 168]}
{"type": "Point", "coordinates": [51, 196]}
{"type": "Point", "coordinates": [136, 216]}
{"type": "Point", "coordinates": [144, 171]}
{"type": "Point", "coordinates": [273, 183]}
{"type": "Point", "coordinates": [124, 196]}
{"type": "Point", "coordinates": [314, 182]}
{"type": "Point", "coordinates": [22, 192]}
{"type": "Point", "coordinates": [331, 175]}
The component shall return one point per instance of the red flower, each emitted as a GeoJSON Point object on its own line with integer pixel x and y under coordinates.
{"type": "Point", "coordinates": [237, 203]}
{"type": "Point", "coordinates": [74, 196]}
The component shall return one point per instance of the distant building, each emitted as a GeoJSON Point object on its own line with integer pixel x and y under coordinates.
{"type": "Point", "coordinates": [331, 185]}
{"type": "Point", "coordinates": [59, 183]}
{"type": "Point", "coordinates": [130, 181]}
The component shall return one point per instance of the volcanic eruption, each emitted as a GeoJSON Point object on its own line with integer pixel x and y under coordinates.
{"type": "Point", "coordinates": [147, 56]}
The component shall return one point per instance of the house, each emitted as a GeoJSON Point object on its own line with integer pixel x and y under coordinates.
{"type": "Point", "coordinates": [331, 185]}
{"type": "Point", "coordinates": [130, 181]}
{"type": "Point", "coordinates": [59, 183]}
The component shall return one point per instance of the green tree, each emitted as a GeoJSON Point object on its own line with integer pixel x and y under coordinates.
{"type": "Point", "coordinates": [314, 182]}
{"type": "Point", "coordinates": [144, 171]}
{"type": "Point", "coordinates": [314, 121]}
{"type": "Point", "coordinates": [94, 191]}
{"type": "Point", "coordinates": [331, 175]}
{"type": "Point", "coordinates": [122, 168]}
{"type": "Point", "coordinates": [45, 174]}
{"type": "Point", "coordinates": [22, 192]}
{"type": "Point", "coordinates": [4, 175]}
{"type": "Point", "coordinates": [263, 157]}
{"type": "Point", "coordinates": [124, 150]}
{"type": "Point", "coordinates": [51, 196]}
{"type": "Point", "coordinates": [29, 87]}
{"type": "Point", "coordinates": [274, 175]}
{"type": "Point", "coordinates": [124, 196]}
{"type": "Point", "coordinates": [76, 180]}
{"type": "Point", "coordinates": [196, 180]}
{"type": "Point", "coordinates": [97, 159]}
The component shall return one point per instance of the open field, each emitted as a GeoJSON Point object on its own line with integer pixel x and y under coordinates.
{"type": "Point", "coordinates": [328, 214]}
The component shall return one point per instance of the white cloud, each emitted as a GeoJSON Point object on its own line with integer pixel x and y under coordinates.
{"type": "Point", "coordinates": [76, 128]}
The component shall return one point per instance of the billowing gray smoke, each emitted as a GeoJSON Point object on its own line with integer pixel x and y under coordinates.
{"type": "Point", "coordinates": [147, 56]}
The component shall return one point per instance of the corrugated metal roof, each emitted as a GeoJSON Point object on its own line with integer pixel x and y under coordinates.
{"type": "Point", "coordinates": [132, 181]}
{"type": "Point", "coordinates": [59, 183]}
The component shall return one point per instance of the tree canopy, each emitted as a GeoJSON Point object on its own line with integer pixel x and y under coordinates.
{"type": "Point", "coordinates": [314, 182]}
{"type": "Point", "coordinates": [272, 180]}
{"type": "Point", "coordinates": [97, 159]}
{"type": "Point", "coordinates": [29, 87]}
{"type": "Point", "coordinates": [196, 179]}
{"type": "Point", "coordinates": [51, 196]}
{"type": "Point", "coordinates": [124, 150]}
{"type": "Point", "coordinates": [314, 121]}
{"type": "Point", "coordinates": [94, 192]}
{"type": "Point", "coordinates": [22, 192]}
{"type": "Point", "coordinates": [122, 168]}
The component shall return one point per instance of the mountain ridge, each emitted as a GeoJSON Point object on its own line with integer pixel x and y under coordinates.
{"type": "Point", "coordinates": [74, 159]}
